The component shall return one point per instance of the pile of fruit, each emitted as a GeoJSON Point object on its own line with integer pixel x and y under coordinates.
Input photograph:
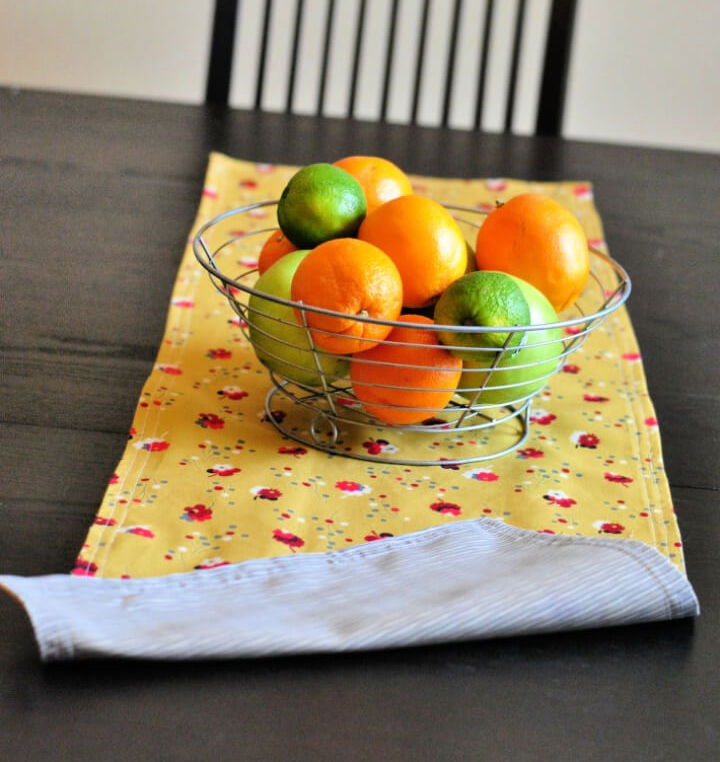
{"type": "Point", "coordinates": [356, 240]}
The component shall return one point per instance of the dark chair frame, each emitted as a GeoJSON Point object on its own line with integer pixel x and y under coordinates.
{"type": "Point", "coordinates": [552, 88]}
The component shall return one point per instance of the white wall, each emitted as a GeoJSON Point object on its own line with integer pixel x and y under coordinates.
{"type": "Point", "coordinates": [155, 49]}
{"type": "Point", "coordinates": [643, 71]}
{"type": "Point", "coordinates": [646, 72]}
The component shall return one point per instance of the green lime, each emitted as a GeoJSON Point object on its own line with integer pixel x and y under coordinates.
{"type": "Point", "coordinates": [524, 372]}
{"type": "Point", "coordinates": [320, 202]}
{"type": "Point", "coordinates": [482, 298]}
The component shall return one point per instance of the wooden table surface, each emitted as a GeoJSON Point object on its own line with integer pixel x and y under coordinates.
{"type": "Point", "coordinates": [96, 200]}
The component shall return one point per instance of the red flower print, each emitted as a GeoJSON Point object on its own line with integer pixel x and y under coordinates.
{"type": "Point", "coordinates": [219, 354]}
{"type": "Point", "coordinates": [233, 393]}
{"type": "Point", "coordinates": [631, 356]}
{"type": "Point", "coordinates": [585, 439]}
{"type": "Point", "coordinates": [377, 446]}
{"type": "Point", "coordinates": [84, 568]}
{"type": "Point", "coordinates": [288, 538]}
{"type": "Point", "coordinates": [609, 527]}
{"type": "Point", "coordinates": [481, 475]}
{"type": "Point", "coordinates": [617, 478]}
{"type": "Point", "coordinates": [446, 508]}
{"type": "Point", "coordinates": [556, 497]}
{"type": "Point", "coordinates": [197, 512]}
{"type": "Point", "coordinates": [223, 469]}
{"type": "Point", "coordinates": [277, 415]}
{"type": "Point", "coordinates": [266, 493]}
{"type": "Point", "coordinates": [180, 302]}
{"type": "Point", "coordinates": [251, 184]}
{"type": "Point", "coordinates": [352, 488]}
{"type": "Point", "coordinates": [292, 450]}
{"type": "Point", "coordinates": [583, 192]}
{"type": "Point", "coordinates": [209, 192]}
{"type": "Point", "coordinates": [595, 398]}
{"type": "Point", "coordinates": [238, 322]}
{"type": "Point", "coordinates": [483, 206]}
{"type": "Point", "coordinates": [141, 532]}
{"type": "Point", "coordinates": [210, 421]}
{"type": "Point", "coordinates": [651, 421]}
{"type": "Point", "coordinates": [171, 370]}
{"type": "Point", "coordinates": [152, 445]}
{"type": "Point", "coordinates": [542, 417]}
{"type": "Point", "coordinates": [114, 479]}
{"type": "Point", "coordinates": [105, 522]}
{"type": "Point", "coordinates": [375, 536]}
{"type": "Point", "coordinates": [570, 368]}
{"type": "Point", "coordinates": [212, 563]}
{"type": "Point", "coordinates": [530, 452]}
{"type": "Point", "coordinates": [495, 184]}
{"type": "Point", "coordinates": [450, 466]}
{"type": "Point", "coordinates": [573, 330]}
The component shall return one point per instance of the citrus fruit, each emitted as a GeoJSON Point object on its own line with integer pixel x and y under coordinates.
{"type": "Point", "coordinates": [276, 246]}
{"type": "Point", "coordinates": [482, 298]}
{"type": "Point", "coordinates": [538, 240]}
{"type": "Point", "coordinates": [353, 277]}
{"type": "Point", "coordinates": [381, 180]}
{"type": "Point", "coordinates": [319, 203]}
{"type": "Point", "coordinates": [279, 341]}
{"type": "Point", "coordinates": [522, 372]}
{"type": "Point", "coordinates": [423, 240]}
{"type": "Point", "coordinates": [422, 391]}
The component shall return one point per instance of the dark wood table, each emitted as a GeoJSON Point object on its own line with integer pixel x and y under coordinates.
{"type": "Point", "coordinates": [96, 200]}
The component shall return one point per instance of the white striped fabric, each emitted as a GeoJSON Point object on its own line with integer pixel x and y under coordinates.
{"type": "Point", "coordinates": [467, 580]}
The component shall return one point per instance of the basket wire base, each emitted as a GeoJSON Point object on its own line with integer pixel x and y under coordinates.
{"type": "Point", "coordinates": [334, 443]}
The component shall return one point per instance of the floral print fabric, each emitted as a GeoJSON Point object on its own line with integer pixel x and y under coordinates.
{"type": "Point", "coordinates": [206, 479]}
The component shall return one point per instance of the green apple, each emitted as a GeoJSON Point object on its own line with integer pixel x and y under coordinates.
{"type": "Point", "coordinates": [542, 357]}
{"type": "Point", "coordinates": [483, 298]}
{"type": "Point", "coordinates": [284, 347]}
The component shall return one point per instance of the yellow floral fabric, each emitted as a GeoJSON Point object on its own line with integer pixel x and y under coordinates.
{"type": "Point", "coordinates": [206, 479]}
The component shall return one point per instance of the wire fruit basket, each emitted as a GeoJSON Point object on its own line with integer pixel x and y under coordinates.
{"type": "Point", "coordinates": [325, 412]}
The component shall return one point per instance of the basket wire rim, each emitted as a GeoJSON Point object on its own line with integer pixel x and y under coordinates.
{"type": "Point", "coordinates": [206, 258]}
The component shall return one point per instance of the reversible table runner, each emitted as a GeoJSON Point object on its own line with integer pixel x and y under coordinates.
{"type": "Point", "coordinates": [206, 481]}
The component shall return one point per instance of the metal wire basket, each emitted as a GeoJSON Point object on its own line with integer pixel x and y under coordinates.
{"type": "Point", "coordinates": [328, 415]}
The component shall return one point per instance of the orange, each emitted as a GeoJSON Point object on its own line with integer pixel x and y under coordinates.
{"type": "Point", "coordinates": [423, 240]}
{"type": "Point", "coordinates": [381, 180]}
{"type": "Point", "coordinates": [352, 277]}
{"type": "Point", "coordinates": [276, 246]}
{"type": "Point", "coordinates": [428, 388]}
{"type": "Point", "coordinates": [534, 238]}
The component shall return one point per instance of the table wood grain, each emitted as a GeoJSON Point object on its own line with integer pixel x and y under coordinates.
{"type": "Point", "coordinates": [96, 199]}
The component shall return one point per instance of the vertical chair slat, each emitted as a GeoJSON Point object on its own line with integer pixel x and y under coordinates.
{"type": "Point", "coordinates": [299, 8]}
{"type": "Point", "coordinates": [419, 61]}
{"type": "Point", "coordinates": [512, 85]}
{"type": "Point", "coordinates": [359, 33]}
{"type": "Point", "coordinates": [557, 58]}
{"type": "Point", "coordinates": [450, 68]}
{"type": "Point", "coordinates": [219, 75]}
{"type": "Point", "coordinates": [389, 59]}
{"type": "Point", "coordinates": [482, 73]}
{"type": "Point", "coordinates": [329, 19]}
{"type": "Point", "coordinates": [263, 54]}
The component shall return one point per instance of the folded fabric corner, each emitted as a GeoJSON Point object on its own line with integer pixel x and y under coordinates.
{"type": "Point", "coordinates": [467, 580]}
